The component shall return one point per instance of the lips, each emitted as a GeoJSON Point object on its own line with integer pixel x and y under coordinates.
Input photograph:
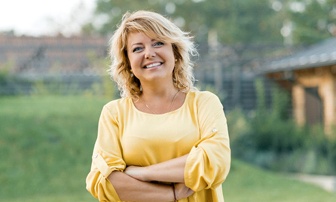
{"type": "Point", "coordinates": [156, 64]}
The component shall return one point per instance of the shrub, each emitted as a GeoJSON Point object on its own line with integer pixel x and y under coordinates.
{"type": "Point", "coordinates": [272, 140]}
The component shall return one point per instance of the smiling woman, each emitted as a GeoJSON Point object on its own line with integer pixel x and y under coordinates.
{"type": "Point", "coordinates": [163, 140]}
{"type": "Point", "coordinates": [150, 59]}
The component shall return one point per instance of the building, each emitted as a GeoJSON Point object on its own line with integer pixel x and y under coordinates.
{"type": "Point", "coordinates": [310, 75]}
{"type": "Point", "coordinates": [45, 58]}
{"type": "Point", "coordinates": [45, 55]}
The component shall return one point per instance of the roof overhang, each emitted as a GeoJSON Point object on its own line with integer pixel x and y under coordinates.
{"type": "Point", "coordinates": [320, 55]}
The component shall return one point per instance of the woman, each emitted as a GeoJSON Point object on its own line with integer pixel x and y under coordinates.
{"type": "Point", "coordinates": [163, 140]}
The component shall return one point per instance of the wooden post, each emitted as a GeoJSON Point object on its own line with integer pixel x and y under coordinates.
{"type": "Point", "coordinates": [327, 92]}
{"type": "Point", "coordinates": [298, 104]}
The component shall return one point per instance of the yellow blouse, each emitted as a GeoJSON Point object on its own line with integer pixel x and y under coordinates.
{"type": "Point", "coordinates": [127, 136]}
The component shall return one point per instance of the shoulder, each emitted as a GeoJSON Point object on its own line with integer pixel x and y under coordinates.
{"type": "Point", "coordinates": [117, 105]}
{"type": "Point", "coordinates": [203, 95]}
{"type": "Point", "coordinates": [117, 102]}
{"type": "Point", "coordinates": [205, 100]}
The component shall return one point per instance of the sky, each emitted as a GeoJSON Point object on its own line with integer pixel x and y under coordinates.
{"type": "Point", "coordinates": [44, 17]}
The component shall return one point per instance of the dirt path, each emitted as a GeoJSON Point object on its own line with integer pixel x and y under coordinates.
{"type": "Point", "coordinates": [326, 182]}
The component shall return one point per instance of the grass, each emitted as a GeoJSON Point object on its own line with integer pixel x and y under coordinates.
{"type": "Point", "coordinates": [46, 145]}
{"type": "Point", "coordinates": [247, 183]}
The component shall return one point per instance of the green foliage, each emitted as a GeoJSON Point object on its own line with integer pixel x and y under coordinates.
{"type": "Point", "coordinates": [55, 86]}
{"type": "Point", "coordinates": [102, 86]}
{"type": "Point", "coordinates": [315, 23]}
{"type": "Point", "coordinates": [235, 21]}
{"type": "Point", "coordinates": [3, 75]}
{"type": "Point", "coordinates": [272, 140]}
{"type": "Point", "coordinates": [105, 86]}
{"type": "Point", "coordinates": [9, 82]}
{"type": "Point", "coordinates": [4, 80]}
{"type": "Point", "coordinates": [272, 129]}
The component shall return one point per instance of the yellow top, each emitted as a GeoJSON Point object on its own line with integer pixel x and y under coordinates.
{"type": "Point", "coordinates": [127, 136]}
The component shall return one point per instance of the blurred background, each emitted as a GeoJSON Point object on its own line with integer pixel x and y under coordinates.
{"type": "Point", "coordinates": [271, 62]}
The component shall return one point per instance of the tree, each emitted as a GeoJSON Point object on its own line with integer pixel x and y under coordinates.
{"type": "Point", "coordinates": [234, 21]}
{"type": "Point", "coordinates": [311, 20]}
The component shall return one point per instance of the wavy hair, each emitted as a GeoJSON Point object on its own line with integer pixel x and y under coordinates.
{"type": "Point", "coordinates": [155, 26]}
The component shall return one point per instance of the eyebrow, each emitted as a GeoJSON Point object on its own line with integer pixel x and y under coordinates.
{"type": "Point", "coordinates": [135, 44]}
{"type": "Point", "coordinates": [140, 43]}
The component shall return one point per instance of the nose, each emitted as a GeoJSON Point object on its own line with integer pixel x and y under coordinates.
{"type": "Point", "coordinates": [150, 53]}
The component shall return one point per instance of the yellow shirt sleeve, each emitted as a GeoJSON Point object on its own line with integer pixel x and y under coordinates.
{"type": "Point", "coordinates": [107, 157]}
{"type": "Point", "coordinates": [208, 163]}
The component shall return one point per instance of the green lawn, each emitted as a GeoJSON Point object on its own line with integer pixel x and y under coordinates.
{"type": "Point", "coordinates": [247, 183]}
{"type": "Point", "coordinates": [45, 150]}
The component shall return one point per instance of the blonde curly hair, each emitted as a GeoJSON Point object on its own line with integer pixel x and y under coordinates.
{"type": "Point", "coordinates": [155, 26]}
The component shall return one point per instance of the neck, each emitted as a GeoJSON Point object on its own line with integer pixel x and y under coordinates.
{"type": "Point", "coordinates": [157, 100]}
{"type": "Point", "coordinates": [158, 90]}
{"type": "Point", "coordinates": [160, 110]}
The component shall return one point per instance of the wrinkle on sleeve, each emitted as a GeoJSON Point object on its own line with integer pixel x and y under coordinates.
{"type": "Point", "coordinates": [209, 160]}
{"type": "Point", "coordinates": [106, 158]}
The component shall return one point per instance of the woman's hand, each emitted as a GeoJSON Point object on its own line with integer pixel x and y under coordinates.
{"type": "Point", "coordinates": [182, 191]}
{"type": "Point", "coordinates": [137, 172]}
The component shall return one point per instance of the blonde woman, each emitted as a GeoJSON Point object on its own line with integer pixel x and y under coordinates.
{"type": "Point", "coordinates": [163, 140]}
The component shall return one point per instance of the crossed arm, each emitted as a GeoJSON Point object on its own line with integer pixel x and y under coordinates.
{"type": "Point", "coordinates": [140, 183]}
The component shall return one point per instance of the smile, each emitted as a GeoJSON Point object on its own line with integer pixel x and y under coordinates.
{"type": "Point", "coordinates": [153, 65]}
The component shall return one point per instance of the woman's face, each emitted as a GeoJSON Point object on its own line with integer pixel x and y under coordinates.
{"type": "Point", "coordinates": [150, 58]}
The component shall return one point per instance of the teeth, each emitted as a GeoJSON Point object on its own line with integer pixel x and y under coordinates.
{"type": "Point", "coordinates": [153, 65]}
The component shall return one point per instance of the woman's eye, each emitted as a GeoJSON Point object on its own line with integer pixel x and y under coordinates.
{"type": "Point", "coordinates": [137, 49]}
{"type": "Point", "coordinates": [158, 44]}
